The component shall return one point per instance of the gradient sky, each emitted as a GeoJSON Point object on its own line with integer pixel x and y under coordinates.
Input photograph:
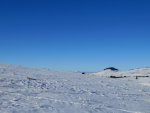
{"type": "Point", "coordinates": [84, 35]}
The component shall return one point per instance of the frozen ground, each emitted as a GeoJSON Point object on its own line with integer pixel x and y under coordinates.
{"type": "Point", "coordinates": [29, 90]}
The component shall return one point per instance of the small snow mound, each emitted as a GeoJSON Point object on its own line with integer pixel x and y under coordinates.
{"type": "Point", "coordinates": [105, 72]}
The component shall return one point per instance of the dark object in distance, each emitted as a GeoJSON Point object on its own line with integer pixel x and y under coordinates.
{"type": "Point", "coordinates": [111, 68]}
{"type": "Point", "coordinates": [141, 76]}
{"type": "Point", "coordinates": [117, 76]}
{"type": "Point", "coordinates": [83, 73]}
{"type": "Point", "coordinates": [29, 78]}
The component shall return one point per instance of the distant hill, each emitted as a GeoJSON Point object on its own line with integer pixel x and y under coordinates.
{"type": "Point", "coordinates": [115, 72]}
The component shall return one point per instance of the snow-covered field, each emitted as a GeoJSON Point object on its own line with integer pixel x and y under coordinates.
{"type": "Point", "coordinates": [30, 90]}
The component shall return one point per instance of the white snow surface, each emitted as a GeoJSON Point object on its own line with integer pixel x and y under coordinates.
{"type": "Point", "coordinates": [30, 90]}
{"type": "Point", "coordinates": [135, 72]}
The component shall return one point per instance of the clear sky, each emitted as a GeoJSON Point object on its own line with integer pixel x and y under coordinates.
{"type": "Point", "coordinates": [84, 35]}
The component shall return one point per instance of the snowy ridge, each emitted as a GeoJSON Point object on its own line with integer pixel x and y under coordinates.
{"type": "Point", "coordinates": [131, 73]}
{"type": "Point", "coordinates": [31, 90]}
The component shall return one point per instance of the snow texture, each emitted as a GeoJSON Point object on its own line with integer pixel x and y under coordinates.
{"type": "Point", "coordinates": [30, 90]}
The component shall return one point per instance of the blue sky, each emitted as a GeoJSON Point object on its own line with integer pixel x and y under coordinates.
{"type": "Point", "coordinates": [84, 35]}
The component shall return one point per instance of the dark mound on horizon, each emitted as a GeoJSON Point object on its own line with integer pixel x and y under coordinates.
{"type": "Point", "coordinates": [111, 68]}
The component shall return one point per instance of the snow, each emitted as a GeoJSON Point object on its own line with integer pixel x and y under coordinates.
{"type": "Point", "coordinates": [31, 90]}
{"type": "Point", "coordinates": [133, 73]}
